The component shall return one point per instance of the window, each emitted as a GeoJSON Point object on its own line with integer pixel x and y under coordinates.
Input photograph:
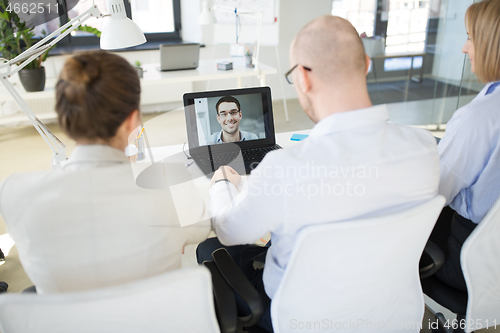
{"type": "Point", "coordinates": [360, 13]}
{"type": "Point", "coordinates": [154, 16]}
{"type": "Point", "coordinates": [160, 20]}
{"type": "Point", "coordinates": [407, 26]}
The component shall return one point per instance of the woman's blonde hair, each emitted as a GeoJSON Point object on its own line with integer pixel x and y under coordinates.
{"type": "Point", "coordinates": [482, 21]}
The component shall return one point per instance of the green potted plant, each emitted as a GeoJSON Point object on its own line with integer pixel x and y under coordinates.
{"type": "Point", "coordinates": [140, 70]}
{"type": "Point", "coordinates": [16, 37]}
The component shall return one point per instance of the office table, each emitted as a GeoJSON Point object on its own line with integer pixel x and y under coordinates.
{"type": "Point", "coordinates": [169, 167]}
{"type": "Point", "coordinates": [156, 87]}
{"type": "Point", "coordinates": [206, 71]}
{"type": "Point", "coordinates": [156, 154]}
{"type": "Point", "coordinates": [410, 77]}
{"type": "Point", "coordinates": [411, 55]}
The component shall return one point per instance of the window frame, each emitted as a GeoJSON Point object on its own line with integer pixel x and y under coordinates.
{"type": "Point", "coordinates": [152, 38]}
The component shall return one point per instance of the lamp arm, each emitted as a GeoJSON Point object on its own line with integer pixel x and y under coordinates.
{"type": "Point", "coordinates": [256, 48]}
{"type": "Point", "coordinates": [226, 9]}
{"type": "Point", "coordinates": [256, 53]}
{"type": "Point", "coordinates": [56, 145]}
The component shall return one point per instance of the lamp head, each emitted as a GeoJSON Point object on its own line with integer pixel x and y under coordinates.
{"type": "Point", "coordinates": [119, 31]}
{"type": "Point", "coordinates": [206, 16]}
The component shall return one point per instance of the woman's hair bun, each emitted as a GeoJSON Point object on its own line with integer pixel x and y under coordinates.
{"type": "Point", "coordinates": [96, 92]}
{"type": "Point", "coordinates": [81, 69]}
{"type": "Point", "coordinates": [77, 76]}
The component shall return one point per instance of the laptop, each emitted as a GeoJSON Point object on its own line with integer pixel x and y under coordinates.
{"type": "Point", "coordinates": [179, 56]}
{"type": "Point", "coordinates": [230, 127]}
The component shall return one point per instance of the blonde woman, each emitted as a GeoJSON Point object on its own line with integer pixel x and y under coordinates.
{"type": "Point", "coordinates": [470, 149]}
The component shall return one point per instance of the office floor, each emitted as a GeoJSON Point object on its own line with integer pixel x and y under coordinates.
{"type": "Point", "coordinates": [23, 150]}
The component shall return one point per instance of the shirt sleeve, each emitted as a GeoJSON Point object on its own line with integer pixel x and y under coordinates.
{"type": "Point", "coordinates": [244, 217]}
{"type": "Point", "coordinates": [464, 152]}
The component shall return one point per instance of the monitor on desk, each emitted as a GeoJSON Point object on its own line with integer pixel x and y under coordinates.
{"type": "Point", "coordinates": [175, 57]}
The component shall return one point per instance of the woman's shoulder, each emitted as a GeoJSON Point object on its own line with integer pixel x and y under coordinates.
{"type": "Point", "coordinates": [483, 109]}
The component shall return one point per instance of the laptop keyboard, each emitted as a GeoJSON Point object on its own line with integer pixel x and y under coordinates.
{"type": "Point", "coordinates": [224, 158]}
{"type": "Point", "coordinates": [257, 153]}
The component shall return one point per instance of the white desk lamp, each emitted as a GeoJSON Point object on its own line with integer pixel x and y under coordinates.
{"type": "Point", "coordinates": [118, 32]}
{"type": "Point", "coordinates": [206, 17]}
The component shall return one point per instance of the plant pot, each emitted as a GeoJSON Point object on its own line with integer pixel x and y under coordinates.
{"type": "Point", "coordinates": [33, 79]}
{"type": "Point", "coordinates": [140, 72]}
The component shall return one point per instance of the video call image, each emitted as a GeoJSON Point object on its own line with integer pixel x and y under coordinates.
{"type": "Point", "coordinates": [228, 119]}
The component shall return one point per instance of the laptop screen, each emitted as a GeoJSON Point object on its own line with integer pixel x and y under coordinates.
{"type": "Point", "coordinates": [241, 116]}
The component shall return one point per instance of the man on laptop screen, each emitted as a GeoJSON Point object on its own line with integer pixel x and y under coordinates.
{"type": "Point", "coordinates": [224, 126]}
{"type": "Point", "coordinates": [229, 116]}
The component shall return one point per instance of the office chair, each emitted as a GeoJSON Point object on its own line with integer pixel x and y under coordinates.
{"type": "Point", "coordinates": [179, 301]}
{"type": "Point", "coordinates": [228, 280]}
{"type": "Point", "coordinates": [3, 285]}
{"type": "Point", "coordinates": [357, 275]}
{"type": "Point", "coordinates": [479, 307]}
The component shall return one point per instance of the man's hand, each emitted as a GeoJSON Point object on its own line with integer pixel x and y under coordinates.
{"type": "Point", "coordinates": [226, 172]}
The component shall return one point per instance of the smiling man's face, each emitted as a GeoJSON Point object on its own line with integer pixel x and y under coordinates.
{"type": "Point", "coordinates": [229, 117]}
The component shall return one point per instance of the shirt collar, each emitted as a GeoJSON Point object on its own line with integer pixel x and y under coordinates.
{"type": "Point", "coordinates": [95, 154]}
{"type": "Point", "coordinates": [219, 137]}
{"type": "Point", "coordinates": [492, 87]}
{"type": "Point", "coordinates": [349, 120]}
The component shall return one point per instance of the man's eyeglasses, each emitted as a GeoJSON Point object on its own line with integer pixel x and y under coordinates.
{"type": "Point", "coordinates": [288, 75]}
{"type": "Point", "coordinates": [232, 113]}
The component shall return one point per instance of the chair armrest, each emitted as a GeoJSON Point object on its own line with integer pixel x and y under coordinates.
{"type": "Point", "coordinates": [225, 302]}
{"type": "Point", "coordinates": [240, 284]}
{"type": "Point", "coordinates": [432, 260]}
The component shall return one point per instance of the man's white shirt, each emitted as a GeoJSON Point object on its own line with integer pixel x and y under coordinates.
{"type": "Point", "coordinates": [354, 164]}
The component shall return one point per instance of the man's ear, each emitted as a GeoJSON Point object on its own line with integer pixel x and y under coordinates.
{"type": "Point", "coordinates": [305, 83]}
{"type": "Point", "coordinates": [368, 60]}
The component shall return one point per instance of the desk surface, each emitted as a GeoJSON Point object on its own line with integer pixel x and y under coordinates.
{"type": "Point", "coordinates": [185, 180]}
{"type": "Point", "coordinates": [207, 70]}
{"type": "Point", "coordinates": [400, 55]}
{"type": "Point", "coordinates": [159, 153]}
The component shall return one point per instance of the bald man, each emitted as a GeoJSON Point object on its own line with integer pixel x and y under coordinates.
{"type": "Point", "coordinates": [355, 163]}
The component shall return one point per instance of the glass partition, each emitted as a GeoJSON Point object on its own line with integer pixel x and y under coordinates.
{"type": "Point", "coordinates": [415, 46]}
